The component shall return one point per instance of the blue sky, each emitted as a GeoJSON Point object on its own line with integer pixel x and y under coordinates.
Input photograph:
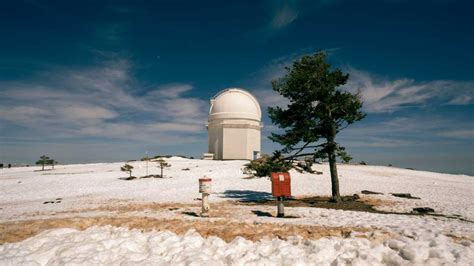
{"type": "Point", "coordinates": [87, 81]}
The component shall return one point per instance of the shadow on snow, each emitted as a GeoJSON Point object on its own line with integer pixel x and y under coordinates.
{"type": "Point", "coordinates": [247, 195]}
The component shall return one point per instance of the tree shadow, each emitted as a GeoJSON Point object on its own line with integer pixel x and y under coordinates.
{"type": "Point", "coordinates": [247, 195]}
{"type": "Point", "coordinates": [190, 213]}
{"type": "Point", "coordinates": [261, 213]}
{"type": "Point", "coordinates": [128, 178]}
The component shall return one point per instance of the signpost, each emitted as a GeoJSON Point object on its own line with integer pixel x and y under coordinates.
{"type": "Point", "coordinates": [281, 188]}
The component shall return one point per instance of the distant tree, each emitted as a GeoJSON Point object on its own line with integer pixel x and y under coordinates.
{"type": "Point", "coordinates": [317, 111]}
{"type": "Point", "coordinates": [162, 164]}
{"type": "Point", "coordinates": [51, 162]}
{"type": "Point", "coordinates": [127, 168]}
{"type": "Point", "coordinates": [43, 161]}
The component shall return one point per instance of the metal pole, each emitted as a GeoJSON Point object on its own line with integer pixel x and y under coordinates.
{"type": "Point", "coordinates": [281, 210]}
{"type": "Point", "coordinates": [146, 163]}
{"type": "Point", "coordinates": [205, 205]}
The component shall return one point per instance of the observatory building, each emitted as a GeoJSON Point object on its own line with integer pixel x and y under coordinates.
{"type": "Point", "coordinates": [234, 126]}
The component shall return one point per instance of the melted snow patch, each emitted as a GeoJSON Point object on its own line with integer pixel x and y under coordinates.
{"type": "Point", "coordinates": [111, 245]}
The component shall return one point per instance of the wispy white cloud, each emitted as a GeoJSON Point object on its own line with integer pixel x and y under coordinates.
{"type": "Point", "coordinates": [462, 99]}
{"type": "Point", "coordinates": [401, 127]}
{"type": "Point", "coordinates": [379, 94]}
{"type": "Point", "coordinates": [269, 98]}
{"type": "Point", "coordinates": [191, 126]}
{"type": "Point", "coordinates": [407, 131]}
{"type": "Point", "coordinates": [284, 16]}
{"type": "Point", "coordinates": [461, 134]}
{"type": "Point", "coordinates": [103, 101]}
{"type": "Point", "coordinates": [22, 114]}
{"type": "Point", "coordinates": [86, 112]}
{"type": "Point", "coordinates": [384, 97]}
{"type": "Point", "coordinates": [170, 90]}
{"type": "Point", "coordinates": [285, 12]}
{"type": "Point", "coordinates": [262, 79]}
{"type": "Point", "coordinates": [388, 95]}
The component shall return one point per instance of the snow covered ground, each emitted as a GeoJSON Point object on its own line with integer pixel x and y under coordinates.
{"type": "Point", "coordinates": [69, 188]}
{"type": "Point", "coordinates": [25, 189]}
{"type": "Point", "coordinates": [108, 245]}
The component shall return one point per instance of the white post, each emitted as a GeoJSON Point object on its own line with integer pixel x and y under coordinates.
{"type": "Point", "coordinates": [205, 190]}
{"type": "Point", "coordinates": [205, 205]}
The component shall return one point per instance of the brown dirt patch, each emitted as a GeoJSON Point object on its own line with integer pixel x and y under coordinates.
{"type": "Point", "coordinates": [125, 206]}
{"type": "Point", "coordinates": [18, 231]}
{"type": "Point", "coordinates": [349, 203]}
{"type": "Point", "coordinates": [221, 209]}
{"type": "Point", "coordinates": [182, 217]}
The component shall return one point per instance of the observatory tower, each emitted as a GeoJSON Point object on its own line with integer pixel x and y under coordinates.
{"type": "Point", "coordinates": [234, 125]}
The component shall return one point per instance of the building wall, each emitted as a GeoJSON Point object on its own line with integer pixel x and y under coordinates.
{"type": "Point", "coordinates": [235, 143]}
{"type": "Point", "coordinates": [231, 139]}
{"type": "Point", "coordinates": [253, 143]}
{"type": "Point", "coordinates": [215, 134]}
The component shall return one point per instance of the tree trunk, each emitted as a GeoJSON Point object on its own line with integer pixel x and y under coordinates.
{"type": "Point", "coordinates": [336, 197]}
{"type": "Point", "coordinates": [162, 172]}
{"type": "Point", "coordinates": [42, 168]}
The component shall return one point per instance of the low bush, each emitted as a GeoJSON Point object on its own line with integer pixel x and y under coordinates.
{"type": "Point", "coordinates": [265, 165]}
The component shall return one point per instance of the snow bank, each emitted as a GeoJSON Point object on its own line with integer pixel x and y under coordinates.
{"type": "Point", "coordinates": [111, 245]}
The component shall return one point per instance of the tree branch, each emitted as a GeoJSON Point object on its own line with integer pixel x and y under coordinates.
{"type": "Point", "coordinates": [300, 149]}
{"type": "Point", "coordinates": [297, 155]}
{"type": "Point", "coordinates": [307, 147]}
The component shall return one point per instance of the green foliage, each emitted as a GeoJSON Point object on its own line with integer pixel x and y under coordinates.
{"type": "Point", "coordinates": [266, 164]}
{"type": "Point", "coordinates": [51, 162]}
{"type": "Point", "coordinates": [127, 168]}
{"type": "Point", "coordinates": [318, 110]}
{"type": "Point", "coordinates": [341, 153]}
{"type": "Point", "coordinates": [162, 164]}
{"type": "Point", "coordinates": [45, 160]}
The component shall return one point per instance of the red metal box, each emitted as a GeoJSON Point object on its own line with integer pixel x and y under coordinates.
{"type": "Point", "coordinates": [281, 185]}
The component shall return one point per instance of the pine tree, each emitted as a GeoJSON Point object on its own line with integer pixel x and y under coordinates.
{"type": "Point", "coordinates": [51, 162]}
{"type": "Point", "coordinates": [317, 111]}
{"type": "Point", "coordinates": [162, 164]}
{"type": "Point", "coordinates": [42, 161]}
{"type": "Point", "coordinates": [127, 168]}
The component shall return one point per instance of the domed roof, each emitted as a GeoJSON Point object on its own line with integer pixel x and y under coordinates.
{"type": "Point", "coordinates": [234, 103]}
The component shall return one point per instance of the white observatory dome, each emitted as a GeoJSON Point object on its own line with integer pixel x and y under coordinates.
{"type": "Point", "coordinates": [234, 103]}
{"type": "Point", "coordinates": [234, 126]}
